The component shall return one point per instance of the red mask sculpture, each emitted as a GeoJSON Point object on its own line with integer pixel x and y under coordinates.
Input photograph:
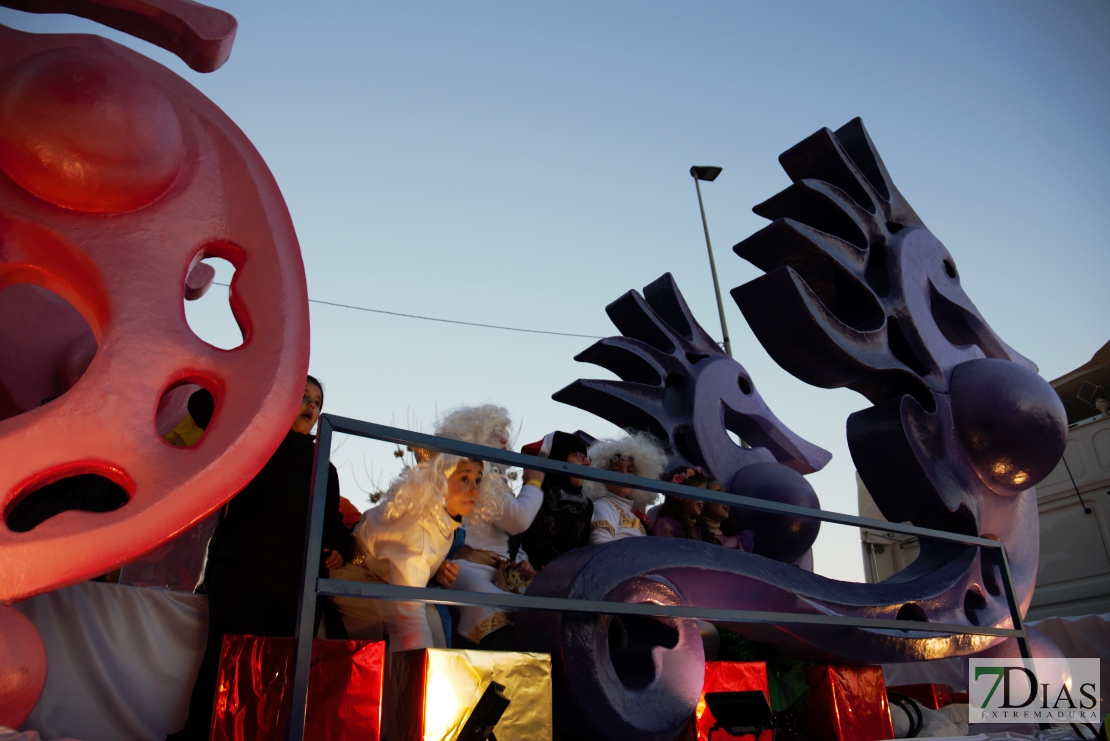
{"type": "Point", "coordinates": [118, 178]}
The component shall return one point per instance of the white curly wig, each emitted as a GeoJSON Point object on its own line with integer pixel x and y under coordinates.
{"type": "Point", "coordinates": [643, 449]}
{"type": "Point", "coordinates": [422, 490]}
{"type": "Point", "coordinates": [487, 424]}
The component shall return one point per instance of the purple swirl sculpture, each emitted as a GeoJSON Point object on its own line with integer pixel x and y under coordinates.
{"type": "Point", "coordinates": [677, 384]}
{"type": "Point", "coordinates": [857, 293]}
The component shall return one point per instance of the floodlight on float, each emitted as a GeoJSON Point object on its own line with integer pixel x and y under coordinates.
{"type": "Point", "coordinates": [743, 713]}
{"type": "Point", "coordinates": [491, 706]}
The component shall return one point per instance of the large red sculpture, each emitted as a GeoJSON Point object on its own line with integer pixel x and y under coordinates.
{"type": "Point", "coordinates": [118, 179]}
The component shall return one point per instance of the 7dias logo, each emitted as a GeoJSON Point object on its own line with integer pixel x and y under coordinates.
{"type": "Point", "coordinates": [1037, 691]}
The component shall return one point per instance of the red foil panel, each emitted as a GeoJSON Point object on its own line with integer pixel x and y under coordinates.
{"type": "Point", "coordinates": [846, 703]}
{"type": "Point", "coordinates": [725, 676]}
{"type": "Point", "coordinates": [252, 691]}
{"type": "Point", "coordinates": [930, 695]}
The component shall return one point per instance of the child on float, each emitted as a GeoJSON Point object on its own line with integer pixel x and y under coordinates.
{"type": "Point", "coordinates": [717, 527]}
{"type": "Point", "coordinates": [484, 561]}
{"type": "Point", "coordinates": [404, 541]}
{"type": "Point", "coordinates": [563, 521]}
{"type": "Point", "coordinates": [678, 517]}
{"type": "Point", "coordinates": [617, 508]}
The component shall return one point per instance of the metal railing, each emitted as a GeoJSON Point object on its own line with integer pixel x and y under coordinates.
{"type": "Point", "coordinates": [312, 586]}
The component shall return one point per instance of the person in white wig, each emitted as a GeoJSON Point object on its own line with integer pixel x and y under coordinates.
{"type": "Point", "coordinates": [484, 563]}
{"type": "Point", "coordinates": [405, 540]}
{"type": "Point", "coordinates": [616, 508]}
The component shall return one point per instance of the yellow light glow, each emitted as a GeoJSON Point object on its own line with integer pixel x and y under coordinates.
{"type": "Point", "coordinates": [452, 690]}
{"type": "Point", "coordinates": [451, 681]}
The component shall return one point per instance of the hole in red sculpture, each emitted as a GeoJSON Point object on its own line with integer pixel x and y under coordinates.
{"type": "Point", "coordinates": [45, 347]}
{"type": "Point", "coordinates": [207, 305]}
{"type": "Point", "coordinates": [88, 492]}
{"type": "Point", "coordinates": [184, 413]}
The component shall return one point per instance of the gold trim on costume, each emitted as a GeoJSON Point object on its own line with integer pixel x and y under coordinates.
{"type": "Point", "coordinates": [602, 525]}
{"type": "Point", "coordinates": [489, 624]}
{"type": "Point", "coordinates": [632, 522]}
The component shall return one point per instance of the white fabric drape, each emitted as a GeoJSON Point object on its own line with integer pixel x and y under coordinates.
{"type": "Point", "coordinates": [121, 660]}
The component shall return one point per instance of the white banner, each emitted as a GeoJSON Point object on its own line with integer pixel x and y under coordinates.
{"type": "Point", "coordinates": [1034, 691]}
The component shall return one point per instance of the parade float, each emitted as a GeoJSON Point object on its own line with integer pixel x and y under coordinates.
{"type": "Point", "coordinates": [120, 179]}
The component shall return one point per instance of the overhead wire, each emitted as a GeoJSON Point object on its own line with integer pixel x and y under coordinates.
{"type": "Point", "coordinates": [439, 319]}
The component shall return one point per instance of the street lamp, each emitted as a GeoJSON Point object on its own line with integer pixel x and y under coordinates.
{"type": "Point", "coordinates": [709, 174]}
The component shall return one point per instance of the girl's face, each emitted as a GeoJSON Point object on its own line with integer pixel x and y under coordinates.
{"type": "Point", "coordinates": [621, 464]}
{"type": "Point", "coordinates": [692, 507]}
{"type": "Point", "coordinates": [462, 488]}
{"type": "Point", "coordinates": [499, 440]}
{"type": "Point", "coordinates": [311, 403]}
{"type": "Point", "coordinates": [716, 511]}
{"type": "Point", "coordinates": [578, 458]}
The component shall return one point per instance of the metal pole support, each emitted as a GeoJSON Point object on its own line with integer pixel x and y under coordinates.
{"type": "Point", "coordinates": [310, 565]}
{"type": "Point", "coordinates": [713, 269]}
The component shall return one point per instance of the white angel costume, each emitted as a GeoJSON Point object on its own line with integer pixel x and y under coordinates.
{"type": "Point", "coordinates": [492, 538]}
{"type": "Point", "coordinates": [488, 533]}
{"type": "Point", "coordinates": [403, 541]}
{"type": "Point", "coordinates": [405, 552]}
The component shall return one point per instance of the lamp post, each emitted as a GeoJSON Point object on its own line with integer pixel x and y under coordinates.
{"type": "Point", "coordinates": [709, 174]}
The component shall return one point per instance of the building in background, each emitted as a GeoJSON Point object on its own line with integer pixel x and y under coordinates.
{"type": "Point", "coordinates": [1073, 576]}
{"type": "Point", "coordinates": [884, 553]}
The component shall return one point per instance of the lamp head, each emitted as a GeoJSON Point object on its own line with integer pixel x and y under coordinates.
{"type": "Point", "coordinates": [740, 713]}
{"type": "Point", "coordinates": [486, 714]}
{"type": "Point", "coordinates": [708, 174]}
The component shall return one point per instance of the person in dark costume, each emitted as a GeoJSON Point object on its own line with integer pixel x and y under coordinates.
{"type": "Point", "coordinates": [563, 522]}
{"type": "Point", "coordinates": [254, 561]}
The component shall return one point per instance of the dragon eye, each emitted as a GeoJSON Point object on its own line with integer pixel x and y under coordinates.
{"type": "Point", "coordinates": [950, 268]}
{"type": "Point", "coordinates": [744, 384]}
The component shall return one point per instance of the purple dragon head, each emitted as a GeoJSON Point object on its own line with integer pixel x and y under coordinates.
{"type": "Point", "coordinates": [677, 384]}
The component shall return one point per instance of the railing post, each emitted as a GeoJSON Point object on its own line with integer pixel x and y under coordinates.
{"type": "Point", "coordinates": [310, 569]}
{"type": "Point", "coordinates": [1011, 600]}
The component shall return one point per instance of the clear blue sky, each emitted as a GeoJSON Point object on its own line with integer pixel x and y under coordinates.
{"type": "Point", "coordinates": [526, 164]}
